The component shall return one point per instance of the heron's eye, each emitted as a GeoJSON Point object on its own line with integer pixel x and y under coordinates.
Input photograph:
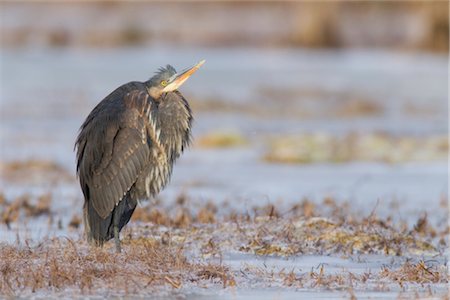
{"type": "Point", "coordinates": [164, 83]}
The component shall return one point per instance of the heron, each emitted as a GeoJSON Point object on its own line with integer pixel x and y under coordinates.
{"type": "Point", "coordinates": [126, 149]}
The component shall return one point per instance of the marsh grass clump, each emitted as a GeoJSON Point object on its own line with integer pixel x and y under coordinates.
{"type": "Point", "coordinates": [332, 228]}
{"type": "Point", "coordinates": [420, 272]}
{"type": "Point", "coordinates": [181, 215]}
{"type": "Point", "coordinates": [61, 264]}
{"type": "Point", "coordinates": [216, 273]}
{"type": "Point", "coordinates": [378, 147]}
{"type": "Point", "coordinates": [25, 206]}
{"type": "Point", "coordinates": [75, 222]}
{"type": "Point", "coordinates": [303, 228]}
{"type": "Point", "coordinates": [222, 139]}
{"type": "Point", "coordinates": [34, 170]}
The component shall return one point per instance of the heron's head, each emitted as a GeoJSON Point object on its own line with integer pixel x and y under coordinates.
{"type": "Point", "coordinates": [168, 80]}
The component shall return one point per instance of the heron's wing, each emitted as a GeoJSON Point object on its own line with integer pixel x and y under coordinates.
{"type": "Point", "coordinates": [114, 150]}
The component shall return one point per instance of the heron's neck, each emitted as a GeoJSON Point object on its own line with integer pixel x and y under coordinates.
{"type": "Point", "coordinates": [154, 92]}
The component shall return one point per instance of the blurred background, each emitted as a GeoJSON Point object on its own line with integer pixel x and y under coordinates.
{"type": "Point", "coordinates": [296, 100]}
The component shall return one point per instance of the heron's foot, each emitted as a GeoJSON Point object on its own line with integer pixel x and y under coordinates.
{"type": "Point", "coordinates": [117, 239]}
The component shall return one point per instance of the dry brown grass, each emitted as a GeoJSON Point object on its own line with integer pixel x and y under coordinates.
{"type": "Point", "coordinates": [32, 171]}
{"type": "Point", "coordinates": [407, 273]}
{"type": "Point", "coordinates": [75, 222]}
{"type": "Point", "coordinates": [304, 228]}
{"type": "Point", "coordinates": [179, 246]}
{"type": "Point", "coordinates": [24, 206]}
{"type": "Point", "coordinates": [419, 272]}
{"type": "Point", "coordinates": [180, 216]}
{"type": "Point", "coordinates": [61, 264]}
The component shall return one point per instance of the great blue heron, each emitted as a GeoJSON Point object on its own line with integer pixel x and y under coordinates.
{"type": "Point", "coordinates": [126, 149]}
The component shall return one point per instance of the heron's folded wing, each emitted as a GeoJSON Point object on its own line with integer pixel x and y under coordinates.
{"type": "Point", "coordinates": [115, 154]}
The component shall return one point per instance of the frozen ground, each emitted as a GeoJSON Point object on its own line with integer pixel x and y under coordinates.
{"type": "Point", "coordinates": [46, 94]}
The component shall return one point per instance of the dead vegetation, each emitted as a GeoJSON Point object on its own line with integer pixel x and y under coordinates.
{"type": "Point", "coordinates": [222, 139]}
{"type": "Point", "coordinates": [180, 216]}
{"type": "Point", "coordinates": [298, 102]}
{"type": "Point", "coordinates": [24, 206]}
{"type": "Point", "coordinates": [281, 24]}
{"type": "Point", "coordinates": [303, 231]}
{"type": "Point", "coordinates": [304, 228]}
{"type": "Point", "coordinates": [420, 272]}
{"type": "Point", "coordinates": [183, 244]}
{"type": "Point", "coordinates": [61, 264]}
{"type": "Point", "coordinates": [308, 103]}
{"type": "Point", "coordinates": [32, 171]}
{"type": "Point", "coordinates": [380, 147]}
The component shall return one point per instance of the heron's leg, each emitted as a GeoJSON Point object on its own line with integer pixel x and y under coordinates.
{"type": "Point", "coordinates": [116, 219]}
{"type": "Point", "coordinates": [116, 238]}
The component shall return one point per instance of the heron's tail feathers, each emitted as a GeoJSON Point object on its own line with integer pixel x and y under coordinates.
{"type": "Point", "coordinates": [95, 227]}
{"type": "Point", "coordinates": [99, 230]}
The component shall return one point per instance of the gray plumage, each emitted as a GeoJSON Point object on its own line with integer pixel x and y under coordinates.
{"type": "Point", "coordinates": [126, 149]}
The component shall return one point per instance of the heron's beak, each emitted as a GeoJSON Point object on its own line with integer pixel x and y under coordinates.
{"type": "Point", "coordinates": [178, 79]}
